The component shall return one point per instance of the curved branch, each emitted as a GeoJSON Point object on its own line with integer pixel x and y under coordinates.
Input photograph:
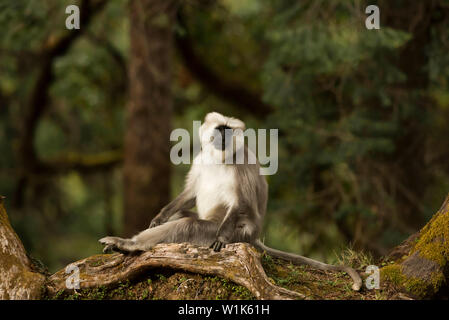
{"type": "Point", "coordinates": [115, 54]}
{"type": "Point", "coordinates": [38, 100]}
{"type": "Point", "coordinates": [238, 262]}
{"type": "Point", "coordinates": [224, 89]}
{"type": "Point", "coordinates": [84, 163]}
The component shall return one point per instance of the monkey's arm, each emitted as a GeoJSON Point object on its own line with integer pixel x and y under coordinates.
{"type": "Point", "coordinates": [224, 232]}
{"type": "Point", "coordinates": [232, 229]}
{"type": "Point", "coordinates": [184, 201]}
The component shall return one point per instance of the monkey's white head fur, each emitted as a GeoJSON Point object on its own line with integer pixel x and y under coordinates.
{"type": "Point", "coordinates": [208, 135]}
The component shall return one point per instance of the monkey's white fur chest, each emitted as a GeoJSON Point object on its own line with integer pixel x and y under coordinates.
{"type": "Point", "coordinates": [216, 190]}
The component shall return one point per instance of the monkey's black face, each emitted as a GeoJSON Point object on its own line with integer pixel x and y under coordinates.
{"type": "Point", "coordinates": [222, 137]}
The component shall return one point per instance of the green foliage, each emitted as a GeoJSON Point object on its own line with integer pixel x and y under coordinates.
{"type": "Point", "coordinates": [335, 88]}
{"type": "Point", "coordinates": [85, 114]}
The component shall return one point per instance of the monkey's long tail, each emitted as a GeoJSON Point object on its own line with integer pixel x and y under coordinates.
{"type": "Point", "coordinates": [297, 259]}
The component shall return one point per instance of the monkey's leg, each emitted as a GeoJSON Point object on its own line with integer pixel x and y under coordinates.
{"type": "Point", "coordinates": [183, 202]}
{"type": "Point", "coordinates": [183, 214]}
{"type": "Point", "coordinates": [199, 232]}
{"type": "Point", "coordinates": [236, 227]}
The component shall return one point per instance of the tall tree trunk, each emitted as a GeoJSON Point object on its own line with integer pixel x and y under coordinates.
{"type": "Point", "coordinates": [415, 17]}
{"type": "Point", "coordinates": [405, 174]}
{"type": "Point", "coordinates": [149, 112]}
{"type": "Point", "coordinates": [421, 262]}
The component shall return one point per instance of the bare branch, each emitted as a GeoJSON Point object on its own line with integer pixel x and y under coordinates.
{"type": "Point", "coordinates": [222, 88]}
{"type": "Point", "coordinates": [84, 163]}
{"type": "Point", "coordinates": [38, 100]}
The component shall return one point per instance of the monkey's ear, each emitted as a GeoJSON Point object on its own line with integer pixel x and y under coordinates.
{"type": "Point", "coordinates": [200, 132]}
{"type": "Point", "coordinates": [235, 123]}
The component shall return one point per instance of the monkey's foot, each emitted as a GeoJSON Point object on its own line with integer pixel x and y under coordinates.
{"type": "Point", "coordinates": [109, 248]}
{"type": "Point", "coordinates": [117, 244]}
{"type": "Point", "coordinates": [110, 240]}
{"type": "Point", "coordinates": [217, 245]}
{"type": "Point", "coordinates": [155, 222]}
{"type": "Point", "coordinates": [110, 244]}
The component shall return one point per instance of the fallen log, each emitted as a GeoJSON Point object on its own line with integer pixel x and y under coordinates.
{"type": "Point", "coordinates": [238, 262]}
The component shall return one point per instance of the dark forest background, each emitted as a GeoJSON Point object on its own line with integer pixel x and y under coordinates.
{"type": "Point", "coordinates": [85, 115]}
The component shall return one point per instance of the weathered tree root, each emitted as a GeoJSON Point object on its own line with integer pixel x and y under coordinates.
{"type": "Point", "coordinates": [238, 262]}
{"type": "Point", "coordinates": [17, 279]}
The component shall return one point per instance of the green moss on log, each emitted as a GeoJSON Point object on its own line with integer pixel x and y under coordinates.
{"type": "Point", "coordinates": [415, 286]}
{"type": "Point", "coordinates": [433, 241]}
{"type": "Point", "coordinates": [423, 270]}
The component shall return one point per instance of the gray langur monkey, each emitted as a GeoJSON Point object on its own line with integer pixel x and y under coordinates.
{"type": "Point", "coordinates": [231, 201]}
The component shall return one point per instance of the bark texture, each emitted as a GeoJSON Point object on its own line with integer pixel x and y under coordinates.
{"type": "Point", "coordinates": [17, 280]}
{"type": "Point", "coordinates": [149, 112]}
{"type": "Point", "coordinates": [422, 266]}
{"type": "Point", "coordinates": [238, 262]}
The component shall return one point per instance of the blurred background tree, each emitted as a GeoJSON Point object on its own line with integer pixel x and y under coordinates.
{"type": "Point", "coordinates": [85, 115]}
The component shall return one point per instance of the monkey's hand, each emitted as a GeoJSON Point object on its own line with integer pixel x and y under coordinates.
{"type": "Point", "coordinates": [218, 244]}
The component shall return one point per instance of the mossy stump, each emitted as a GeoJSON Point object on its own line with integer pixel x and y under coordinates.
{"type": "Point", "coordinates": [17, 279]}
{"type": "Point", "coordinates": [422, 267]}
